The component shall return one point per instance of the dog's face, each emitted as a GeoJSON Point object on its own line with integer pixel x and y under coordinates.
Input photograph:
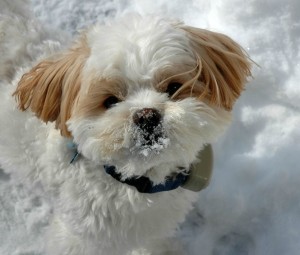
{"type": "Point", "coordinates": [141, 93]}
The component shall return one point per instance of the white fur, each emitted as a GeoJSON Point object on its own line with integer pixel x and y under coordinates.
{"type": "Point", "coordinates": [93, 213]}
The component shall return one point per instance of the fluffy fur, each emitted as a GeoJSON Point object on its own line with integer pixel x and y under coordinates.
{"type": "Point", "coordinates": [63, 97]}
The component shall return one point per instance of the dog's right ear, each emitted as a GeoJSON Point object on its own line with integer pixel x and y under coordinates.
{"type": "Point", "coordinates": [225, 66]}
{"type": "Point", "coordinates": [50, 88]}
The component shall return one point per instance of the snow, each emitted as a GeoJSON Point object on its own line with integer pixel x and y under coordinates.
{"type": "Point", "coordinates": [252, 204]}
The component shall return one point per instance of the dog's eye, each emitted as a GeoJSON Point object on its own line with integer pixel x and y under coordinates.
{"type": "Point", "coordinates": [110, 102]}
{"type": "Point", "coordinates": [173, 87]}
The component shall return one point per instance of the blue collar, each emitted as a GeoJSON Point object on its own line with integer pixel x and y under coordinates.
{"type": "Point", "coordinates": [142, 183]}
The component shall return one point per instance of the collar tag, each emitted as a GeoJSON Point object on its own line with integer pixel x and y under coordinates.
{"type": "Point", "coordinates": [200, 172]}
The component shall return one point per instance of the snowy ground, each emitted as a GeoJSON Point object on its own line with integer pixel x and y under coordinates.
{"type": "Point", "coordinates": [253, 203]}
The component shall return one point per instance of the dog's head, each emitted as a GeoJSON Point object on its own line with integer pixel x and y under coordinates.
{"type": "Point", "coordinates": [139, 93]}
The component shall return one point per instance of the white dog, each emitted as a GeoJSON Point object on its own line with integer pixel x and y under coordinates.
{"type": "Point", "coordinates": [136, 100]}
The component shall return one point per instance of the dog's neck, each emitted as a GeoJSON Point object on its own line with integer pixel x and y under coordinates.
{"type": "Point", "coordinates": [196, 178]}
{"type": "Point", "coordinates": [142, 183]}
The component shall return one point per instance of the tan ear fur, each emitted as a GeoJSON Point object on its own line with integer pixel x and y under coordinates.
{"type": "Point", "coordinates": [50, 88]}
{"type": "Point", "coordinates": [225, 66]}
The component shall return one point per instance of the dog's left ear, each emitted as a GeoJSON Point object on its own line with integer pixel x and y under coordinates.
{"type": "Point", "coordinates": [224, 66]}
{"type": "Point", "coordinates": [50, 88]}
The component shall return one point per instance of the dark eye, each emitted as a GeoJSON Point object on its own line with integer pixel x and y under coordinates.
{"type": "Point", "coordinates": [110, 102]}
{"type": "Point", "coordinates": [172, 88]}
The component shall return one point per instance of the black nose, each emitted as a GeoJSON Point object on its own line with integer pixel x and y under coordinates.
{"type": "Point", "coordinates": [147, 119]}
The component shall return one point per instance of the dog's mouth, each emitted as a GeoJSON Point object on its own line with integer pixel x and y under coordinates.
{"type": "Point", "coordinates": [149, 140]}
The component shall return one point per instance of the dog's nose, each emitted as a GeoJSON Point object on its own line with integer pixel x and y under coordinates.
{"type": "Point", "coordinates": [147, 119]}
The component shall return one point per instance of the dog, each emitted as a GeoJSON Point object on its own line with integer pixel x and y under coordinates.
{"type": "Point", "coordinates": [106, 124]}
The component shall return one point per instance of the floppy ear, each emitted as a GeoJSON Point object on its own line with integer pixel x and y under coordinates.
{"type": "Point", "coordinates": [50, 88]}
{"type": "Point", "coordinates": [225, 66]}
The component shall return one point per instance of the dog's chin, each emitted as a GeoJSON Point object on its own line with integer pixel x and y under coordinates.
{"type": "Point", "coordinates": [150, 149]}
{"type": "Point", "coordinates": [157, 158]}
{"type": "Point", "coordinates": [141, 156]}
